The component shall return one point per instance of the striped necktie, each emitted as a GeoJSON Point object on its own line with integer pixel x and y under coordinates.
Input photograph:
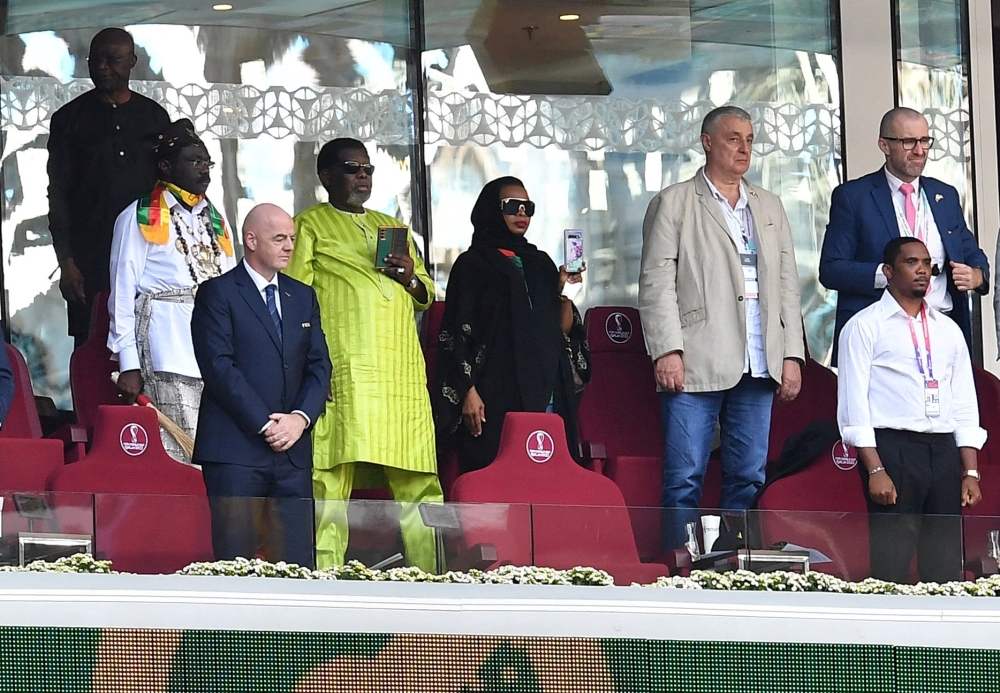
{"type": "Point", "coordinates": [272, 308]}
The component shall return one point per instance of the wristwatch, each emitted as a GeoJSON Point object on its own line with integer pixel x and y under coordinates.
{"type": "Point", "coordinates": [974, 473]}
{"type": "Point", "coordinates": [414, 282]}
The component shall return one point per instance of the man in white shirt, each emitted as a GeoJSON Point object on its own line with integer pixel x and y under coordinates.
{"type": "Point", "coordinates": [165, 244]}
{"type": "Point", "coordinates": [719, 300]}
{"type": "Point", "coordinates": [907, 401]}
{"type": "Point", "coordinates": [897, 200]}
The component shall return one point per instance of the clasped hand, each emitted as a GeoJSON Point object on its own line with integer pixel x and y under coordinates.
{"type": "Point", "coordinates": [285, 431]}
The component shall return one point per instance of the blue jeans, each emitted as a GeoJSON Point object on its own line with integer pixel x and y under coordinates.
{"type": "Point", "coordinates": [744, 415]}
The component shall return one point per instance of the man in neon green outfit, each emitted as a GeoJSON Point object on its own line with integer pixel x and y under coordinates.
{"type": "Point", "coordinates": [379, 411]}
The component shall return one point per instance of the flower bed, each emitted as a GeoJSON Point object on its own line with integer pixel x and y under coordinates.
{"type": "Point", "coordinates": [517, 575]}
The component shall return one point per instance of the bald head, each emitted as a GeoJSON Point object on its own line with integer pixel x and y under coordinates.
{"type": "Point", "coordinates": [112, 36]}
{"type": "Point", "coordinates": [887, 127]}
{"type": "Point", "coordinates": [111, 59]}
{"type": "Point", "coordinates": [268, 239]}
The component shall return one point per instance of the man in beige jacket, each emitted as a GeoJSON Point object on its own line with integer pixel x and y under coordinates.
{"type": "Point", "coordinates": [719, 299]}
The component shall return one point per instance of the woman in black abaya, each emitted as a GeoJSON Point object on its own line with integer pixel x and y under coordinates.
{"type": "Point", "coordinates": [509, 340]}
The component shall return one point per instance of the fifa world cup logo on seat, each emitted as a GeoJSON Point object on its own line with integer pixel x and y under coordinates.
{"type": "Point", "coordinates": [540, 447]}
{"type": "Point", "coordinates": [133, 439]}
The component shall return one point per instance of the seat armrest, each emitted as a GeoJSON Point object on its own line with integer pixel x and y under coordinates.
{"type": "Point", "coordinates": [71, 434]}
{"type": "Point", "coordinates": [982, 566]}
{"type": "Point", "coordinates": [679, 562]}
{"type": "Point", "coordinates": [480, 557]}
{"type": "Point", "coordinates": [594, 456]}
{"type": "Point", "coordinates": [75, 439]}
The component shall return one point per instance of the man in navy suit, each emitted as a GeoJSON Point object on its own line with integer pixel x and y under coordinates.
{"type": "Point", "coordinates": [264, 360]}
{"type": "Point", "coordinates": [865, 214]}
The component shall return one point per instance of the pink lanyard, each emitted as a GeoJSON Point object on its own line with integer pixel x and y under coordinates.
{"type": "Point", "coordinates": [927, 343]}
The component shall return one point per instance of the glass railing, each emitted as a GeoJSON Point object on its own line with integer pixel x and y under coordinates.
{"type": "Point", "coordinates": [162, 534]}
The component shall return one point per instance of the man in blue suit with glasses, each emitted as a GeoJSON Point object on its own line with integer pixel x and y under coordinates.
{"type": "Point", "coordinates": [865, 214]}
{"type": "Point", "coordinates": [263, 357]}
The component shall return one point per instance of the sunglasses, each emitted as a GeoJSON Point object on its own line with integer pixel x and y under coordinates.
{"type": "Point", "coordinates": [512, 206]}
{"type": "Point", "coordinates": [353, 167]}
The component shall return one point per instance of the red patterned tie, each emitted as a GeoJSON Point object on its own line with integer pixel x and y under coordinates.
{"type": "Point", "coordinates": [911, 211]}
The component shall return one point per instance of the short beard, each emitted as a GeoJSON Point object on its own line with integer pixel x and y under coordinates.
{"type": "Point", "coordinates": [918, 293]}
{"type": "Point", "coordinates": [357, 199]}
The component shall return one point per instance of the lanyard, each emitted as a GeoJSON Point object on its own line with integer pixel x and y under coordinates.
{"type": "Point", "coordinates": [927, 343]}
{"type": "Point", "coordinates": [920, 222]}
{"type": "Point", "coordinates": [744, 220]}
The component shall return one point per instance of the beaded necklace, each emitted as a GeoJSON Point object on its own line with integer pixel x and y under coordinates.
{"type": "Point", "coordinates": [206, 261]}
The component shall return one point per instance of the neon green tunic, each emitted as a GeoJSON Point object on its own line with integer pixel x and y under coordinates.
{"type": "Point", "coordinates": [380, 410]}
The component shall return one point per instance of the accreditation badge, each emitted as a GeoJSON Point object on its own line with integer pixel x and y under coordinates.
{"type": "Point", "coordinates": [748, 261]}
{"type": "Point", "coordinates": [932, 398]}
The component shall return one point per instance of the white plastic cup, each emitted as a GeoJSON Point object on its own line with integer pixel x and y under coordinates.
{"type": "Point", "coordinates": [710, 530]}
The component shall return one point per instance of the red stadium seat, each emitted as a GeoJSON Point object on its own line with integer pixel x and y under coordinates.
{"type": "Point", "coordinates": [620, 409]}
{"type": "Point", "coordinates": [430, 328]}
{"type": "Point", "coordinates": [985, 516]}
{"type": "Point", "coordinates": [429, 331]}
{"type": "Point", "coordinates": [22, 418]}
{"type": "Point", "coordinates": [90, 368]}
{"type": "Point", "coordinates": [825, 509]}
{"type": "Point", "coordinates": [151, 512]}
{"type": "Point", "coordinates": [817, 402]}
{"type": "Point", "coordinates": [578, 517]}
{"type": "Point", "coordinates": [25, 464]}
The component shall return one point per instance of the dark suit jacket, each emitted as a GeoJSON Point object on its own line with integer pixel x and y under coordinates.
{"type": "Point", "coordinates": [249, 373]}
{"type": "Point", "coordinates": [8, 384]}
{"type": "Point", "coordinates": [863, 221]}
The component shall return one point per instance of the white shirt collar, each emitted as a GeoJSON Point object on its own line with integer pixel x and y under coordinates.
{"type": "Point", "coordinates": [890, 306]}
{"type": "Point", "coordinates": [895, 183]}
{"type": "Point", "coordinates": [258, 278]}
{"type": "Point", "coordinates": [743, 201]}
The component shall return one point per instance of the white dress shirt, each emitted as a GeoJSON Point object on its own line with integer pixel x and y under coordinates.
{"type": "Point", "coordinates": [937, 296]}
{"type": "Point", "coordinates": [755, 358]}
{"type": "Point", "coordinates": [879, 384]}
{"type": "Point", "coordinates": [261, 283]}
{"type": "Point", "coordinates": [138, 267]}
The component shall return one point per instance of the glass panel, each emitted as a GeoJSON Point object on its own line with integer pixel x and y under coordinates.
{"type": "Point", "coordinates": [265, 86]}
{"type": "Point", "coordinates": [434, 537]}
{"type": "Point", "coordinates": [598, 113]}
{"type": "Point", "coordinates": [850, 544]}
{"type": "Point", "coordinates": [44, 525]}
{"type": "Point", "coordinates": [933, 70]}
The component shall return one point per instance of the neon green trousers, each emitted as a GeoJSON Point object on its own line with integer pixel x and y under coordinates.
{"type": "Point", "coordinates": [332, 488]}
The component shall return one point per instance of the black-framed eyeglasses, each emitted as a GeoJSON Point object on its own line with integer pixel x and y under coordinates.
{"type": "Point", "coordinates": [352, 167]}
{"type": "Point", "coordinates": [909, 143]}
{"type": "Point", "coordinates": [512, 206]}
{"type": "Point", "coordinates": [201, 163]}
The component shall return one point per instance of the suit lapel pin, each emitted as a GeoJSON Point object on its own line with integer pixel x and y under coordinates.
{"type": "Point", "coordinates": [288, 294]}
{"type": "Point", "coordinates": [753, 193]}
{"type": "Point", "coordinates": [305, 324]}
{"type": "Point", "coordinates": [938, 197]}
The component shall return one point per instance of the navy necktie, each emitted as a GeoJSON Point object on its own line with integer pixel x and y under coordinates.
{"type": "Point", "coordinates": [272, 308]}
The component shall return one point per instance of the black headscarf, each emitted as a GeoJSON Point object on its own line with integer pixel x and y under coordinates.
{"type": "Point", "coordinates": [489, 227]}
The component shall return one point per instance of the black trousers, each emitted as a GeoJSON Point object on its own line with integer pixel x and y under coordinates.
{"type": "Point", "coordinates": [926, 469]}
